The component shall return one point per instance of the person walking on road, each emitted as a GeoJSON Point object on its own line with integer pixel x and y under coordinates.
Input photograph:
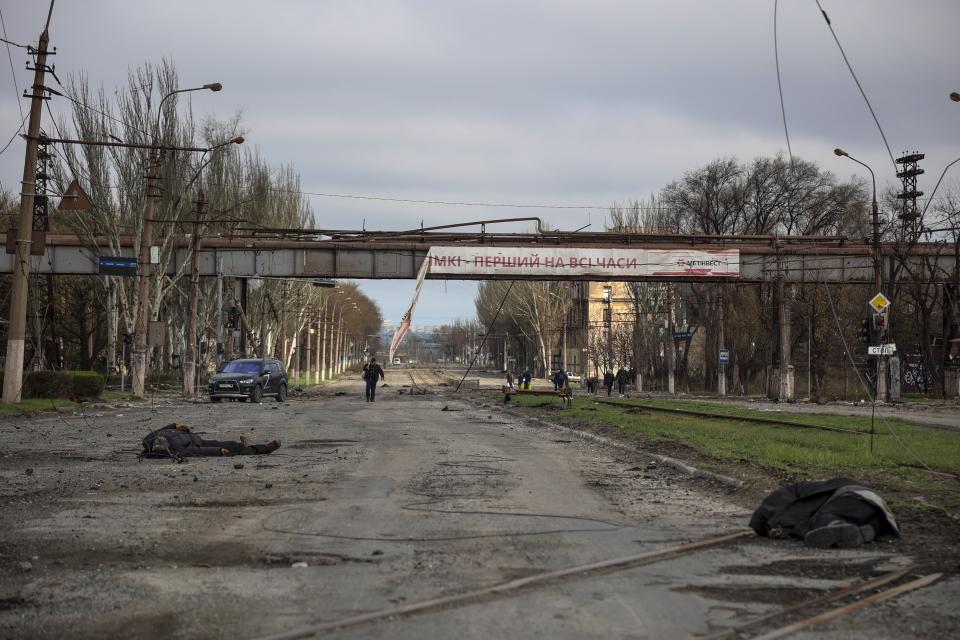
{"type": "Point", "coordinates": [372, 374]}
{"type": "Point", "coordinates": [608, 382]}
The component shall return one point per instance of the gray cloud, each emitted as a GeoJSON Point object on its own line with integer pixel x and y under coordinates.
{"type": "Point", "coordinates": [531, 102]}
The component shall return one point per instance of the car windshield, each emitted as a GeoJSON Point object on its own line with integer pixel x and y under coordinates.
{"type": "Point", "coordinates": [243, 367]}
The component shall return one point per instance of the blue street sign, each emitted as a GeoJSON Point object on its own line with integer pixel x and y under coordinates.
{"type": "Point", "coordinates": [117, 266]}
{"type": "Point", "coordinates": [682, 335]}
{"type": "Point", "coordinates": [724, 356]}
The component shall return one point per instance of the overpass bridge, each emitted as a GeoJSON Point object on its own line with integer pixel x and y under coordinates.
{"type": "Point", "coordinates": [544, 255]}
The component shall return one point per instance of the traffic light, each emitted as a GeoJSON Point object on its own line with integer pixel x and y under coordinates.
{"type": "Point", "coordinates": [232, 318]}
{"type": "Point", "coordinates": [863, 335]}
{"type": "Point", "coordinates": [879, 326]}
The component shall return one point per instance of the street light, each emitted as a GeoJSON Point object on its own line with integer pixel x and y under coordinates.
{"type": "Point", "coordinates": [138, 382]}
{"type": "Point", "coordinates": [878, 283]}
{"type": "Point", "coordinates": [881, 390]}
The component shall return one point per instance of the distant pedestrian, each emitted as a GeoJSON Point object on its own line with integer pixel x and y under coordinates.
{"type": "Point", "coordinates": [563, 379]}
{"type": "Point", "coordinates": [608, 379]}
{"type": "Point", "coordinates": [591, 385]}
{"type": "Point", "coordinates": [510, 379]}
{"type": "Point", "coordinates": [622, 379]}
{"type": "Point", "coordinates": [372, 374]}
{"type": "Point", "coordinates": [525, 380]}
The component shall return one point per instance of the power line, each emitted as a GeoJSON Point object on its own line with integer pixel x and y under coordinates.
{"type": "Point", "coordinates": [13, 74]}
{"type": "Point", "coordinates": [855, 79]}
{"type": "Point", "coordinates": [13, 137]}
{"type": "Point", "coordinates": [776, 57]}
{"type": "Point", "coordinates": [442, 202]}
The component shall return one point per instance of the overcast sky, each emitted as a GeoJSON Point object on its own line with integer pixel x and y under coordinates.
{"type": "Point", "coordinates": [522, 102]}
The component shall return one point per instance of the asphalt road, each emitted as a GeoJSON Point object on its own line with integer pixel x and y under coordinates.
{"type": "Point", "coordinates": [385, 504]}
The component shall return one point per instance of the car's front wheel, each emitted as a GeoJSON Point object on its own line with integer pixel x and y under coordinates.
{"type": "Point", "coordinates": [257, 394]}
{"type": "Point", "coordinates": [282, 393]}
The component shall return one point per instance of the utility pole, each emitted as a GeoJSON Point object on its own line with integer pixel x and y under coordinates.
{"type": "Point", "coordinates": [16, 336]}
{"type": "Point", "coordinates": [318, 349]}
{"type": "Point", "coordinates": [219, 310]}
{"type": "Point", "coordinates": [190, 363]}
{"type": "Point", "coordinates": [721, 340]}
{"type": "Point", "coordinates": [140, 348]}
{"type": "Point", "coordinates": [669, 343]}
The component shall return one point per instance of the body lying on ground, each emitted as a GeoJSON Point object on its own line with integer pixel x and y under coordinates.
{"type": "Point", "coordinates": [827, 513]}
{"type": "Point", "coordinates": [178, 440]}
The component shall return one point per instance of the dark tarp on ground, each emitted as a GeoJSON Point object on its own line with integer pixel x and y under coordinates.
{"type": "Point", "coordinates": [797, 508]}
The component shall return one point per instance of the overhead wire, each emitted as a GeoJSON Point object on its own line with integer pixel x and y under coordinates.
{"type": "Point", "coordinates": [13, 73]}
{"type": "Point", "coordinates": [857, 80]}
{"type": "Point", "coordinates": [776, 57]}
{"type": "Point", "coordinates": [14, 136]}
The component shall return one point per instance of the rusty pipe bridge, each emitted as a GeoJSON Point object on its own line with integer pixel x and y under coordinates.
{"type": "Point", "coordinates": [362, 254]}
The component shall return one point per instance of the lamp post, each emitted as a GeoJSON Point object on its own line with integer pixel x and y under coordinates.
{"type": "Point", "coordinates": [190, 366]}
{"type": "Point", "coordinates": [139, 358]}
{"type": "Point", "coordinates": [877, 271]}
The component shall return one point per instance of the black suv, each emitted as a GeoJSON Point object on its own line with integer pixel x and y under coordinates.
{"type": "Point", "coordinates": [242, 379]}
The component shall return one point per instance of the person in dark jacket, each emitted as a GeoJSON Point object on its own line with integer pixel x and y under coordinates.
{"type": "Point", "coordinates": [177, 440]}
{"type": "Point", "coordinates": [372, 374]}
{"type": "Point", "coordinates": [622, 379]}
{"type": "Point", "coordinates": [608, 379]}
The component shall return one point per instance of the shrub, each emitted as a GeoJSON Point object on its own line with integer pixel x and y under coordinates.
{"type": "Point", "coordinates": [88, 384]}
{"type": "Point", "coordinates": [47, 384]}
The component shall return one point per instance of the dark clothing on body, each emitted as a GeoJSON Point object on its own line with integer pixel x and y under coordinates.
{"type": "Point", "coordinates": [183, 442]}
{"type": "Point", "coordinates": [796, 509]}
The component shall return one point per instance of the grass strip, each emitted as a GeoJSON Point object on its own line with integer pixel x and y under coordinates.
{"type": "Point", "coordinates": [794, 453]}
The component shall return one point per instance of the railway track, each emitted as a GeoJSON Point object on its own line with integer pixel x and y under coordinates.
{"type": "Point", "coordinates": [863, 592]}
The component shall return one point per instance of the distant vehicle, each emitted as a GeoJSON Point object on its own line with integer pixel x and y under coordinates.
{"type": "Point", "coordinates": [396, 361]}
{"type": "Point", "coordinates": [253, 379]}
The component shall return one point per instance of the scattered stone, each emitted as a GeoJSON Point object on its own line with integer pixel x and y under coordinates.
{"type": "Point", "coordinates": [26, 566]}
{"type": "Point", "coordinates": [238, 465]}
{"type": "Point", "coordinates": [377, 552]}
{"type": "Point", "coordinates": [29, 472]}
{"type": "Point", "coordinates": [299, 565]}
{"type": "Point", "coordinates": [268, 485]}
{"type": "Point", "coordinates": [195, 478]}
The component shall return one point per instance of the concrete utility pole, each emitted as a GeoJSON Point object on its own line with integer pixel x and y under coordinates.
{"type": "Point", "coordinates": [721, 340]}
{"type": "Point", "coordinates": [17, 329]}
{"type": "Point", "coordinates": [669, 343]}
{"type": "Point", "coordinates": [190, 363]}
{"type": "Point", "coordinates": [219, 316]}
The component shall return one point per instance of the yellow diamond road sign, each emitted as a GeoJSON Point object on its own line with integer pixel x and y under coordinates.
{"type": "Point", "coordinates": [880, 303]}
